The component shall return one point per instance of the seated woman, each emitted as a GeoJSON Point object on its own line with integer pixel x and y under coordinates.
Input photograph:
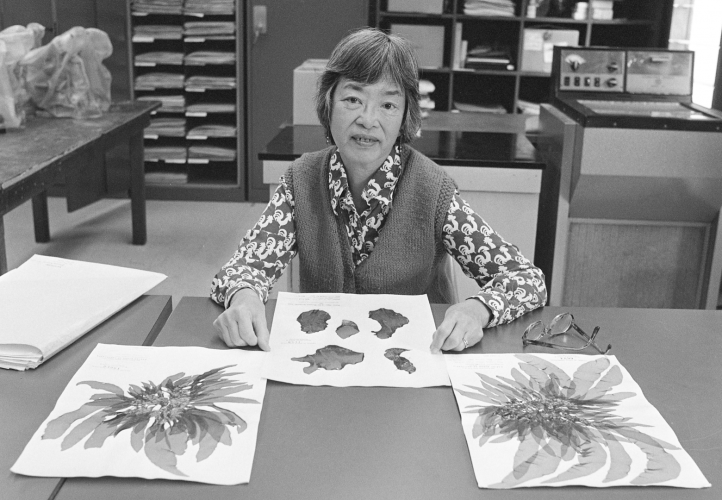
{"type": "Point", "coordinates": [369, 214]}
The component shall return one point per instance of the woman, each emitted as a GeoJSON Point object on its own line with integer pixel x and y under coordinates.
{"type": "Point", "coordinates": [369, 214]}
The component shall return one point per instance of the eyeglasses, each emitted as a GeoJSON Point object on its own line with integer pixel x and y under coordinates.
{"type": "Point", "coordinates": [539, 334]}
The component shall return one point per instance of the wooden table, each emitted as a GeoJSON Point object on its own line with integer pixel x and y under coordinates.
{"type": "Point", "coordinates": [382, 443]}
{"type": "Point", "coordinates": [52, 150]}
{"type": "Point", "coordinates": [28, 397]}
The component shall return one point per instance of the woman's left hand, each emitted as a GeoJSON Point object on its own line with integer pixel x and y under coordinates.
{"type": "Point", "coordinates": [465, 320]}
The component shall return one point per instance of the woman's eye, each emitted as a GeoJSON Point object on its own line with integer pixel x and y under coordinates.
{"type": "Point", "coordinates": [390, 106]}
{"type": "Point", "coordinates": [352, 100]}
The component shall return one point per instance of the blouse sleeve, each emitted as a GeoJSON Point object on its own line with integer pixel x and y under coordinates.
{"type": "Point", "coordinates": [263, 253]}
{"type": "Point", "coordinates": [510, 284]}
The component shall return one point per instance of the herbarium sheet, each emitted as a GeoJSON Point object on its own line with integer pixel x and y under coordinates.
{"type": "Point", "coordinates": [563, 419]}
{"type": "Point", "coordinates": [347, 340]}
{"type": "Point", "coordinates": [185, 413]}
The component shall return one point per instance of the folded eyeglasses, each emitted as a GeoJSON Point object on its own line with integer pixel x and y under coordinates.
{"type": "Point", "coordinates": [559, 335]}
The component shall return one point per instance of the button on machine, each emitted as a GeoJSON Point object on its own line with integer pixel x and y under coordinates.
{"type": "Point", "coordinates": [590, 69]}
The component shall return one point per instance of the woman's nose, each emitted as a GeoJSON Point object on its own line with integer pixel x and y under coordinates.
{"type": "Point", "coordinates": [367, 117]}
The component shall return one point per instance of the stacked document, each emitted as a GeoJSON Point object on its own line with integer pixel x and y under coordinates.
{"type": "Point", "coordinates": [211, 130]}
{"type": "Point", "coordinates": [159, 57]}
{"type": "Point", "coordinates": [209, 28]}
{"type": "Point", "coordinates": [480, 108]}
{"type": "Point", "coordinates": [503, 8]}
{"type": "Point", "coordinates": [173, 154]}
{"type": "Point", "coordinates": [168, 103]}
{"type": "Point", "coordinates": [158, 6]}
{"type": "Point", "coordinates": [158, 31]}
{"type": "Point", "coordinates": [73, 297]}
{"type": "Point", "coordinates": [217, 7]}
{"type": "Point", "coordinates": [211, 107]}
{"type": "Point", "coordinates": [211, 82]}
{"type": "Point", "coordinates": [203, 57]}
{"type": "Point", "coordinates": [173, 178]}
{"type": "Point", "coordinates": [211, 153]}
{"type": "Point", "coordinates": [159, 80]}
{"type": "Point", "coordinates": [166, 127]}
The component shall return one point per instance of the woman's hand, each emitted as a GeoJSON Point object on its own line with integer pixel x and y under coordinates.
{"type": "Point", "coordinates": [244, 322]}
{"type": "Point", "coordinates": [465, 320]}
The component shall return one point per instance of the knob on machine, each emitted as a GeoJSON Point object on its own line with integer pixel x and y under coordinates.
{"type": "Point", "coordinates": [589, 70]}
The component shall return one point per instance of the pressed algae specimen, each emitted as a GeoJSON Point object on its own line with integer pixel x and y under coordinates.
{"type": "Point", "coordinates": [162, 419]}
{"type": "Point", "coordinates": [557, 418]}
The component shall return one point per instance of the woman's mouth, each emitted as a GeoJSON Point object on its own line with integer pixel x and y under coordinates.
{"type": "Point", "coordinates": [364, 141]}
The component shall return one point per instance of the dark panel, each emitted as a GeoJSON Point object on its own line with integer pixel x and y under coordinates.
{"type": "Point", "coordinates": [75, 13]}
{"type": "Point", "coordinates": [297, 30]}
{"type": "Point", "coordinates": [14, 12]}
{"type": "Point", "coordinates": [112, 17]}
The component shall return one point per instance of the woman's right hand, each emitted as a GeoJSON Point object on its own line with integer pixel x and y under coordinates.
{"type": "Point", "coordinates": [244, 322]}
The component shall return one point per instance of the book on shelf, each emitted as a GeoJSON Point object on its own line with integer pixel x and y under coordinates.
{"type": "Point", "coordinates": [487, 57]}
{"type": "Point", "coordinates": [501, 8]}
{"type": "Point", "coordinates": [166, 177]}
{"type": "Point", "coordinates": [480, 108]}
{"type": "Point", "coordinates": [458, 56]}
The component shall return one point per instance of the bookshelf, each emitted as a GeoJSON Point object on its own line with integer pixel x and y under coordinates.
{"type": "Point", "coordinates": [506, 88]}
{"type": "Point", "coordinates": [188, 54]}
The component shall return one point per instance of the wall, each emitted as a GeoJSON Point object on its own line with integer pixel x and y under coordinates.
{"type": "Point", "coordinates": [297, 30]}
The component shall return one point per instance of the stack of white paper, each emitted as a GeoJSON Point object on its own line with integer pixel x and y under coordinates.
{"type": "Point", "coordinates": [48, 303]}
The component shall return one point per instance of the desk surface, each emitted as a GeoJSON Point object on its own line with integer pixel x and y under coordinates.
{"type": "Point", "coordinates": [358, 443]}
{"type": "Point", "coordinates": [445, 147]}
{"type": "Point", "coordinates": [42, 140]}
{"type": "Point", "coordinates": [29, 397]}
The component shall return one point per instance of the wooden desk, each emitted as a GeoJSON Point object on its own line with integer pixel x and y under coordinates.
{"type": "Point", "coordinates": [52, 150]}
{"type": "Point", "coordinates": [29, 397]}
{"type": "Point", "coordinates": [382, 443]}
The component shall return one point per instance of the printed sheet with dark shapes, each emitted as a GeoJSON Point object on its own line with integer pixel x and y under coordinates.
{"type": "Point", "coordinates": [346, 340]}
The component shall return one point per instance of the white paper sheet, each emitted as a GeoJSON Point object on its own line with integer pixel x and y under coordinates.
{"type": "Point", "coordinates": [563, 419]}
{"type": "Point", "coordinates": [49, 302]}
{"type": "Point", "coordinates": [183, 413]}
{"type": "Point", "coordinates": [354, 340]}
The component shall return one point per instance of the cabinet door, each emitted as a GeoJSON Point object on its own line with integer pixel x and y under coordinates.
{"type": "Point", "coordinates": [296, 31]}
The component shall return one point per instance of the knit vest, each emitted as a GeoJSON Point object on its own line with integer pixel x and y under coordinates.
{"type": "Point", "coordinates": [409, 257]}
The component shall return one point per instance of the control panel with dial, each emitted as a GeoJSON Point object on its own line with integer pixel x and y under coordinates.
{"type": "Point", "coordinates": [592, 70]}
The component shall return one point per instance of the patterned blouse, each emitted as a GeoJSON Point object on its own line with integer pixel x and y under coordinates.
{"type": "Point", "coordinates": [510, 285]}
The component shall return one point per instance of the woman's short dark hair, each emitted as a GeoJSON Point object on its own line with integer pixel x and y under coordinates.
{"type": "Point", "coordinates": [367, 56]}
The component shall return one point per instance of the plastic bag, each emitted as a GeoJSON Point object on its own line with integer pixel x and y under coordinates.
{"type": "Point", "coordinates": [15, 43]}
{"type": "Point", "coordinates": [67, 77]}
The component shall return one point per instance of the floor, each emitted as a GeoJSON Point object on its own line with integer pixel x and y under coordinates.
{"type": "Point", "coordinates": [187, 241]}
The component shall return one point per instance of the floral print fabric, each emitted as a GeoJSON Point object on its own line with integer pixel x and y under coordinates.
{"type": "Point", "coordinates": [363, 228]}
{"type": "Point", "coordinates": [509, 284]}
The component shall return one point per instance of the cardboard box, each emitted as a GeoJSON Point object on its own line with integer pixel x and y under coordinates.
{"type": "Point", "coordinates": [427, 40]}
{"type": "Point", "coordinates": [305, 79]}
{"type": "Point", "coordinates": [424, 6]}
{"type": "Point", "coordinates": [538, 48]}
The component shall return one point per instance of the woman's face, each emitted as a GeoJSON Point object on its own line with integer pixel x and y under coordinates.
{"type": "Point", "coordinates": [365, 122]}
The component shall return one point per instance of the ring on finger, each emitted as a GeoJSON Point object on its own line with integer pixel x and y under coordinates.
{"type": "Point", "coordinates": [466, 344]}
